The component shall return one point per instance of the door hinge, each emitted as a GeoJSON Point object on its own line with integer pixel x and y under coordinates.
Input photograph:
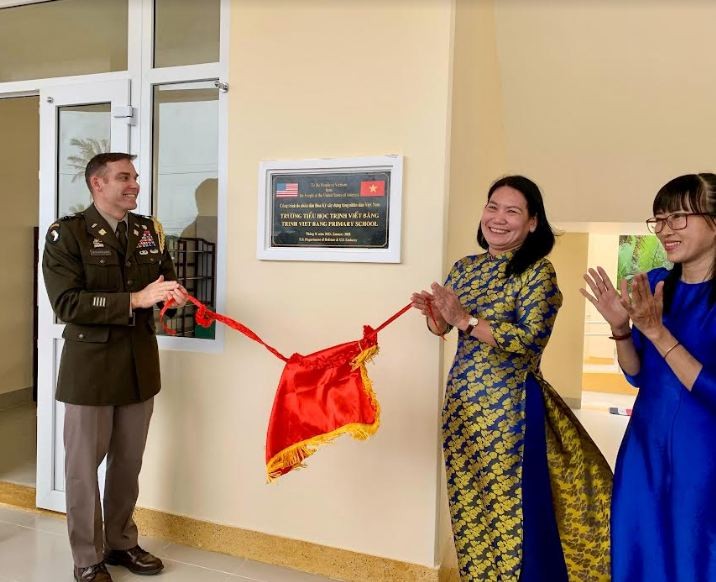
{"type": "Point", "coordinates": [123, 112]}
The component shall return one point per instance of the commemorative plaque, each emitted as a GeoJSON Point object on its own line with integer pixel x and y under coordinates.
{"type": "Point", "coordinates": [331, 210]}
{"type": "Point", "coordinates": [334, 212]}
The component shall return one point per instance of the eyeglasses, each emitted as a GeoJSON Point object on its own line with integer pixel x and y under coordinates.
{"type": "Point", "coordinates": [676, 221]}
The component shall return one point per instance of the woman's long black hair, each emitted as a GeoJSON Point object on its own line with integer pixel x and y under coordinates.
{"type": "Point", "coordinates": [539, 243]}
{"type": "Point", "coordinates": [690, 193]}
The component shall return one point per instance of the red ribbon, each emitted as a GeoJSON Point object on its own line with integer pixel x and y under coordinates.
{"type": "Point", "coordinates": [432, 316]}
{"type": "Point", "coordinates": [205, 317]}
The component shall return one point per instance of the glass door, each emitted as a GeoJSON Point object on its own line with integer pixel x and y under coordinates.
{"type": "Point", "coordinates": [76, 122]}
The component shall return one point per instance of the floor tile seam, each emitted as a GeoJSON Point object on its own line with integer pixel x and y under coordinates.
{"type": "Point", "coordinates": [34, 511]}
{"type": "Point", "coordinates": [4, 522]}
{"type": "Point", "coordinates": [31, 528]}
{"type": "Point", "coordinates": [52, 533]}
{"type": "Point", "coordinates": [172, 560]}
{"type": "Point", "coordinates": [162, 544]}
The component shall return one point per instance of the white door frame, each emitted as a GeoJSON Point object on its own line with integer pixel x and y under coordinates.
{"type": "Point", "coordinates": [50, 413]}
{"type": "Point", "coordinates": [140, 76]}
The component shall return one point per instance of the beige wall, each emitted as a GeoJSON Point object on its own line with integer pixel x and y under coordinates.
{"type": "Point", "coordinates": [570, 94]}
{"type": "Point", "coordinates": [603, 252]}
{"type": "Point", "coordinates": [562, 360]}
{"type": "Point", "coordinates": [477, 157]}
{"type": "Point", "coordinates": [91, 38]}
{"type": "Point", "coordinates": [19, 163]}
{"type": "Point", "coordinates": [321, 79]}
{"type": "Point", "coordinates": [603, 102]}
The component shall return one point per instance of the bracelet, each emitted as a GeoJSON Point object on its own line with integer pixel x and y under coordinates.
{"type": "Point", "coordinates": [671, 349]}
{"type": "Point", "coordinates": [442, 335]}
{"type": "Point", "coordinates": [430, 317]}
{"type": "Point", "coordinates": [620, 337]}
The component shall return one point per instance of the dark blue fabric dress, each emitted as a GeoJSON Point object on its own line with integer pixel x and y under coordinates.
{"type": "Point", "coordinates": [664, 501]}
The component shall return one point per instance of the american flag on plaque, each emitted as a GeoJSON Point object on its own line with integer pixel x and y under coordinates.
{"type": "Point", "coordinates": [287, 190]}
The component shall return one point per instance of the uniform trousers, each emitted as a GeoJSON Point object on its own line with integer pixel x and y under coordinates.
{"type": "Point", "coordinates": [91, 434]}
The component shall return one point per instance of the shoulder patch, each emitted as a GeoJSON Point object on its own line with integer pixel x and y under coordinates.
{"type": "Point", "coordinates": [53, 233]}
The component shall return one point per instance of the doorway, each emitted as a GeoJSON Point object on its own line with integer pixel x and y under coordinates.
{"type": "Point", "coordinates": [122, 76]}
{"type": "Point", "coordinates": [19, 167]}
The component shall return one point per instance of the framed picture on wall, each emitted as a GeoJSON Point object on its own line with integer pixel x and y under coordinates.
{"type": "Point", "coordinates": [337, 209]}
{"type": "Point", "coordinates": [639, 254]}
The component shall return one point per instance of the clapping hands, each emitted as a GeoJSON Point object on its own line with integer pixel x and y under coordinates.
{"type": "Point", "coordinates": [642, 307]}
{"type": "Point", "coordinates": [448, 304]}
{"type": "Point", "coordinates": [607, 299]}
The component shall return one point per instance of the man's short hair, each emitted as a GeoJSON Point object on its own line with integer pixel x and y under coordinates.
{"type": "Point", "coordinates": [97, 166]}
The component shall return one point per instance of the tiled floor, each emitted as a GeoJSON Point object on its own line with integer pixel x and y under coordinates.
{"type": "Point", "coordinates": [606, 429]}
{"type": "Point", "coordinates": [34, 547]}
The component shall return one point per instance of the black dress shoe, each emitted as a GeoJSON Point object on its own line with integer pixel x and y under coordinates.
{"type": "Point", "coordinates": [135, 559]}
{"type": "Point", "coordinates": [96, 573]}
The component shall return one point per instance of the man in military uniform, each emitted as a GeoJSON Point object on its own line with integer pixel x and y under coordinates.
{"type": "Point", "coordinates": [105, 268]}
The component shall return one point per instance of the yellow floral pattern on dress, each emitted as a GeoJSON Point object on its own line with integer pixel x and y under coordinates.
{"type": "Point", "coordinates": [484, 425]}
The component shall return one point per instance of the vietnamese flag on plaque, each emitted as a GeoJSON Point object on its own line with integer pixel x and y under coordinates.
{"type": "Point", "coordinates": [372, 188]}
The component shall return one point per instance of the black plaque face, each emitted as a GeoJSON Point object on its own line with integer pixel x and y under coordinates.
{"type": "Point", "coordinates": [330, 210]}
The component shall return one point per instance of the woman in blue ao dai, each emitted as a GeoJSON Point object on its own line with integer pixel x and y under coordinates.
{"type": "Point", "coordinates": [663, 508]}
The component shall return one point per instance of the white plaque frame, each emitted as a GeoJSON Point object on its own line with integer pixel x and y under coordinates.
{"type": "Point", "coordinates": [269, 169]}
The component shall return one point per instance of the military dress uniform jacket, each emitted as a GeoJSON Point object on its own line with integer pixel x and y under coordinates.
{"type": "Point", "coordinates": [109, 357]}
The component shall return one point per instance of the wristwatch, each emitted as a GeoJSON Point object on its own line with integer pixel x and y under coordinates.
{"type": "Point", "coordinates": [471, 324]}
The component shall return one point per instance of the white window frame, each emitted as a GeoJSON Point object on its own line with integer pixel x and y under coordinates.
{"type": "Point", "coordinates": [152, 77]}
{"type": "Point", "coordinates": [143, 78]}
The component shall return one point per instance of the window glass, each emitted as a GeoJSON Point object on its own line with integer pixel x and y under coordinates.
{"type": "Point", "coordinates": [84, 131]}
{"type": "Point", "coordinates": [185, 189]}
{"type": "Point", "coordinates": [186, 32]}
{"type": "Point", "coordinates": [64, 37]}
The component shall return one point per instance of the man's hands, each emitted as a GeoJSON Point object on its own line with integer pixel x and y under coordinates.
{"type": "Point", "coordinates": [156, 291]}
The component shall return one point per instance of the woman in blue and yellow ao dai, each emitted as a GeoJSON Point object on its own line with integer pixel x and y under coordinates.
{"type": "Point", "coordinates": [529, 491]}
